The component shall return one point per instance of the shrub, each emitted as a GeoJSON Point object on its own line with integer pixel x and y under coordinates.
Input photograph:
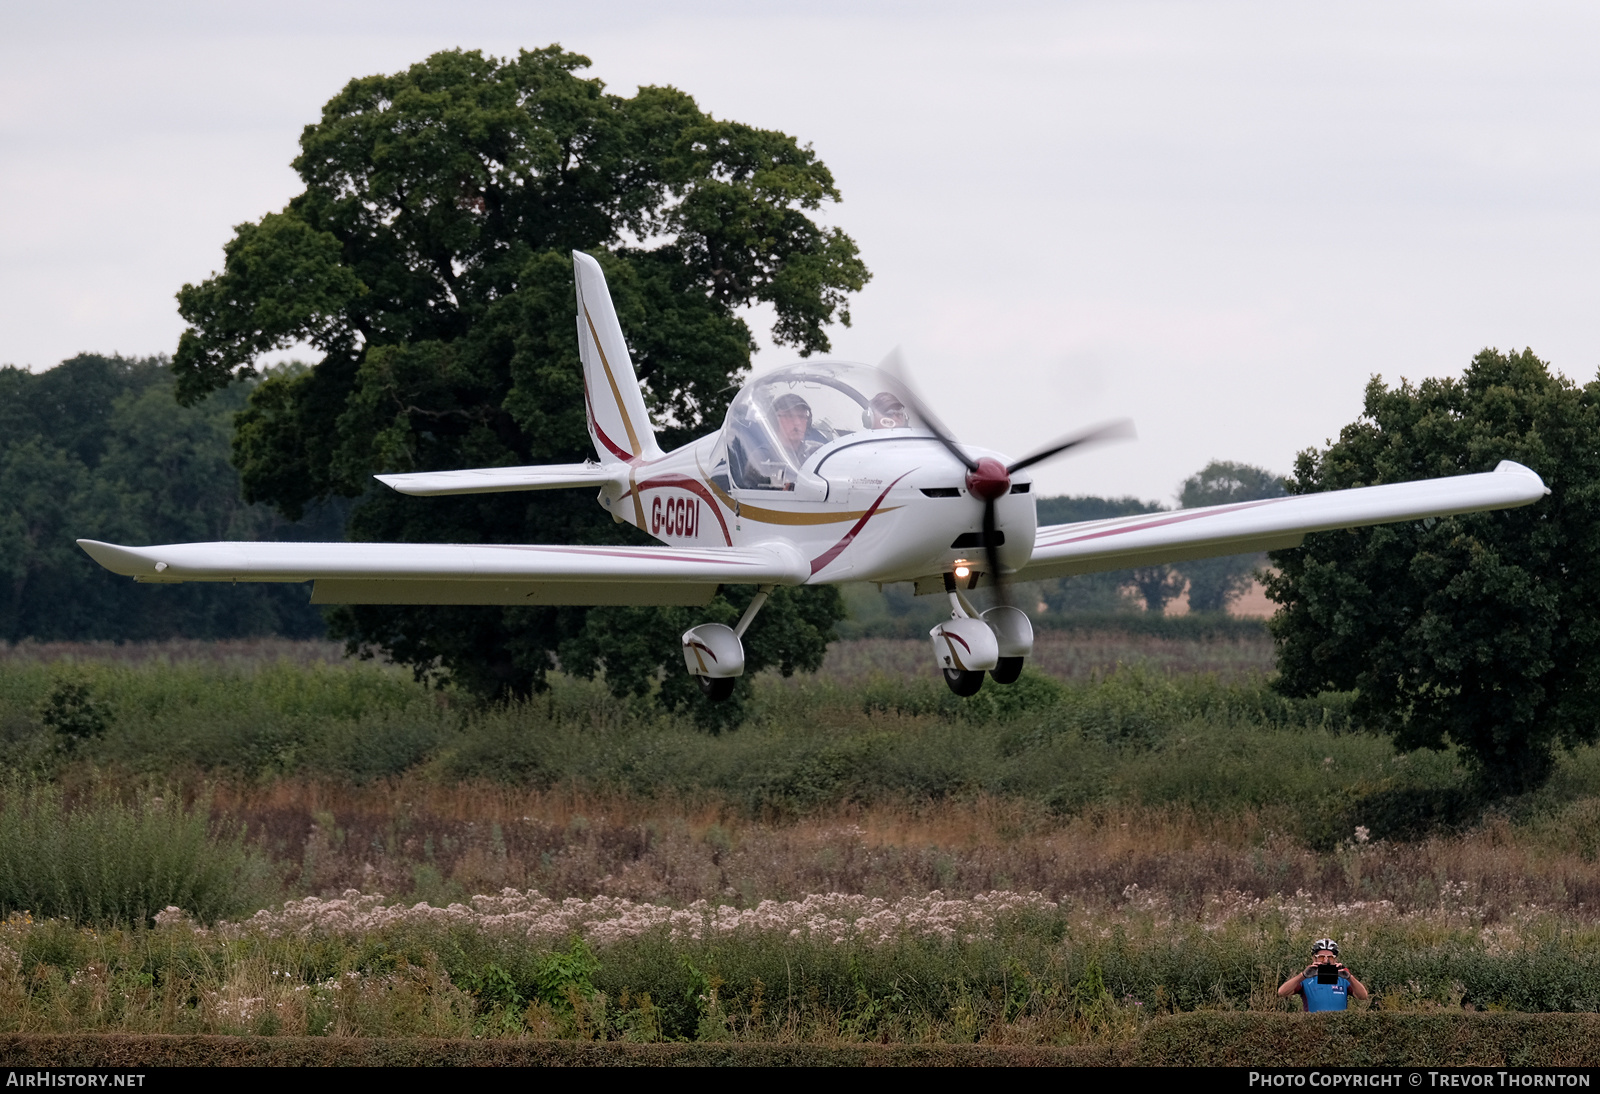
{"type": "Point", "coordinates": [74, 712]}
{"type": "Point", "coordinates": [107, 861]}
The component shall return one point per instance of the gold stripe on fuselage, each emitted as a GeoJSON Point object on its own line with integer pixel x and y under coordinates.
{"type": "Point", "coordinates": [638, 502]}
{"type": "Point", "coordinates": [756, 513]}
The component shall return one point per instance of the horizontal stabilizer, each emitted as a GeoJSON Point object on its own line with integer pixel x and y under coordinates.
{"type": "Point", "coordinates": [1150, 539]}
{"type": "Point", "coordinates": [444, 573]}
{"type": "Point", "coordinates": [494, 480]}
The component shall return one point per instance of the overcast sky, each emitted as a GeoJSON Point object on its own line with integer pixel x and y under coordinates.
{"type": "Point", "coordinates": [1217, 219]}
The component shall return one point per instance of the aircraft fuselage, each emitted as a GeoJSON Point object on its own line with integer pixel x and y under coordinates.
{"type": "Point", "coordinates": [882, 506]}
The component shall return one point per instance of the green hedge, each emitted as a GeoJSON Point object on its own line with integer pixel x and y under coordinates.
{"type": "Point", "coordinates": [1365, 1038]}
{"type": "Point", "coordinates": [1206, 1039]}
{"type": "Point", "coordinates": [135, 1050]}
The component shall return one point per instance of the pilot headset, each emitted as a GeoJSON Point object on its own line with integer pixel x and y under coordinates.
{"type": "Point", "coordinates": [878, 411]}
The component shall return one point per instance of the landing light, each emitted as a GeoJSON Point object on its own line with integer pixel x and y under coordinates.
{"type": "Point", "coordinates": [963, 572]}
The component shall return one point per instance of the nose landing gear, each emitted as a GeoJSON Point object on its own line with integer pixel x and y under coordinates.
{"type": "Point", "coordinates": [964, 682]}
{"type": "Point", "coordinates": [996, 641]}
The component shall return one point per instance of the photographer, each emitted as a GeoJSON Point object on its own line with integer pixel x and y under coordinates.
{"type": "Point", "coordinates": [1325, 984]}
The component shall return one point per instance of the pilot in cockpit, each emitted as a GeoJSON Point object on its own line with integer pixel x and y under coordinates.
{"type": "Point", "coordinates": [794, 426]}
{"type": "Point", "coordinates": [754, 459]}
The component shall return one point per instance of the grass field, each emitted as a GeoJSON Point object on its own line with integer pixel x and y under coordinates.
{"type": "Point", "coordinates": [1140, 827]}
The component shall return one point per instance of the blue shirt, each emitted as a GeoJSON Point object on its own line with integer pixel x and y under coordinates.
{"type": "Point", "coordinates": [1325, 996]}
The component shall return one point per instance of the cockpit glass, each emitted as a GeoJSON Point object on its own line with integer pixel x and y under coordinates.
{"type": "Point", "coordinates": [781, 419]}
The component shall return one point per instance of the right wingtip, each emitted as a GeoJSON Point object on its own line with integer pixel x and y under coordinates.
{"type": "Point", "coordinates": [393, 482]}
{"type": "Point", "coordinates": [1512, 467]}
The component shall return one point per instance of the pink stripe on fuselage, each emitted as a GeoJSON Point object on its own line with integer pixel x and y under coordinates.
{"type": "Point", "coordinates": [694, 487]}
{"type": "Point", "coordinates": [833, 552]}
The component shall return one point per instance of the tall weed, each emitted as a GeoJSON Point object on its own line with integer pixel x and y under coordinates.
{"type": "Point", "coordinates": [1058, 977]}
{"type": "Point", "coordinates": [110, 861]}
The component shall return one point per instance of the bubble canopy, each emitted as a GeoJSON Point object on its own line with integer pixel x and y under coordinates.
{"type": "Point", "coordinates": [782, 419]}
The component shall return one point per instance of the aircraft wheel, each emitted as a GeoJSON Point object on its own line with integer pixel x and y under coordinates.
{"type": "Point", "coordinates": [716, 688]}
{"type": "Point", "coordinates": [1007, 671]}
{"type": "Point", "coordinates": [963, 682]}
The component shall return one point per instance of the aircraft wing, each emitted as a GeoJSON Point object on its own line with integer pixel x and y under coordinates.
{"type": "Point", "coordinates": [494, 480]}
{"type": "Point", "coordinates": [443, 573]}
{"type": "Point", "coordinates": [1150, 539]}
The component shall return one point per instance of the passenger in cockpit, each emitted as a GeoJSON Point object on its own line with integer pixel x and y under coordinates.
{"type": "Point", "coordinates": [885, 411]}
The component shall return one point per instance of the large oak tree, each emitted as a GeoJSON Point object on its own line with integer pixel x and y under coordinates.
{"type": "Point", "coordinates": [1479, 629]}
{"type": "Point", "coordinates": [428, 263]}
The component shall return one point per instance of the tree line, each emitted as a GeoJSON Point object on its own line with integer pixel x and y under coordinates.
{"type": "Point", "coordinates": [1212, 583]}
{"type": "Point", "coordinates": [97, 448]}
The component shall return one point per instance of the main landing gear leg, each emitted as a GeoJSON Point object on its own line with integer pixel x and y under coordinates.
{"type": "Point", "coordinates": [714, 653]}
{"type": "Point", "coordinates": [757, 602]}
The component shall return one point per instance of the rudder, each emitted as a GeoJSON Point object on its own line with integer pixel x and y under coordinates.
{"type": "Point", "coordinates": [619, 425]}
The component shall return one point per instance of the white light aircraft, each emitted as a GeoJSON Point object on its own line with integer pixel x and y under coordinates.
{"type": "Point", "coordinates": [822, 472]}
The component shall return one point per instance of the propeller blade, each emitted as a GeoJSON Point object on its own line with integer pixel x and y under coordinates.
{"type": "Point", "coordinates": [993, 551]}
{"type": "Point", "coordinates": [987, 479]}
{"type": "Point", "coordinates": [1119, 430]}
{"type": "Point", "coordinates": [895, 366]}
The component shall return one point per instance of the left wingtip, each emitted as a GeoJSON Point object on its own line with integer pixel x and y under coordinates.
{"type": "Point", "coordinates": [127, 561]}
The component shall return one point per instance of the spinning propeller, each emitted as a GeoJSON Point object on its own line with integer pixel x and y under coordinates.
{"type": "Point", "coordinates": [988, 479]}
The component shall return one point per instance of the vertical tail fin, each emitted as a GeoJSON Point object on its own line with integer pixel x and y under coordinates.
{"type": "Point", "coordinates": [618, 423]}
